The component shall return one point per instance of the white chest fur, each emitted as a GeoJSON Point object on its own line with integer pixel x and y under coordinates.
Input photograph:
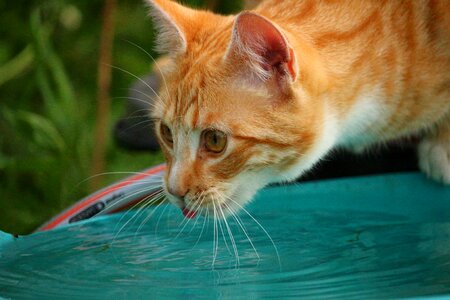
{"type": "Point", "coordinates": [362, 124]}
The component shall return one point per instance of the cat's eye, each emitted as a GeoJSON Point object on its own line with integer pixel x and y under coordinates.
{"type": "Point", "coordinates": [214, 140]}
{"type": "Point", "coordinates": [166, 134]}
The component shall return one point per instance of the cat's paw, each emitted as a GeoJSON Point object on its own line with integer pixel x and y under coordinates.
{"type": "Point", "coordinates": [434, 159]}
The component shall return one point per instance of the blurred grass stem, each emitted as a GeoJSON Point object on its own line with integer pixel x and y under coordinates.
{"type": "Point", "coordinates": [103, 92]}
{"type": "Point", "coordinates": [17, 65]}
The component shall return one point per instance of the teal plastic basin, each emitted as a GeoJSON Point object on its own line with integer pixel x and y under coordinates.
{"type": "Point", "coordinates": [370, 237]}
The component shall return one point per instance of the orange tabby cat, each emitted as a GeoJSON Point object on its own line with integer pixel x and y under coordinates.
{"type": "Point", "coordinates": [260, 97]}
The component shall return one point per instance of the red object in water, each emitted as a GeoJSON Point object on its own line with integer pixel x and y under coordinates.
{"type": "Point", "coordinates": [190, 214]}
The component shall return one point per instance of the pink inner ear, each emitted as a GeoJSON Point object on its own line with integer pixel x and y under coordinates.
{"type": "Point", "coordinates": [264, 40]}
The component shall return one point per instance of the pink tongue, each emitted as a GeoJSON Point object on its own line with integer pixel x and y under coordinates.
{"type": "Point", "coordinates": [188, 213]}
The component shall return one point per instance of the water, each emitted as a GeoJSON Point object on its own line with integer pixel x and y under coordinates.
{"type": "Point", "coordinates": [360, 238]}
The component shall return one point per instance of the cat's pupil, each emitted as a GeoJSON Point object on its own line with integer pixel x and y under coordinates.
{"type": "Point", "coordinates": [166, 134]}
{"type": "Point", "coordinates": [214, 140]}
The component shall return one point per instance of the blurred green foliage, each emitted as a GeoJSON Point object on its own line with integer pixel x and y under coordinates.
{"type": "Point", "coordinates": [48, 67]}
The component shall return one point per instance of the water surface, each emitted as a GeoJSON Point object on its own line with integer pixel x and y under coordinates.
{"type": "Point", "coordinates": [366, 238]}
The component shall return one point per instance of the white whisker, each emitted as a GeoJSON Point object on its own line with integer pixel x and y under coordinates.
{"type": "Point", "coordinates": [196, 210]}
{"type": "Point", "coordinates": [203, 227]}
{"type": "Point", "coordinates": [241, 225]}
{"type": "Point", "coordinates": [155, 177]}
{"type": "Point", "coordinates": [139, 114]}
{"type": "Point", "coordinates": [142, 93]}
{"type": "Point", "coordinates": [138, 78]}
{"type": "Point", "coordinates": [156, 64]}
{"type": "Point", "coordinates": [233, 242]}
{"type": "Point", "coordinates": [216, 237]}
{"type": "Point", "coordinates": [152, 189]}
{"type": "Point", "coordinates": [221, 230]}
{"type": "Point", "coordinates": [147, 123]}
{"type": "Point", "coordinates": [263, 229]}
{"type": "Point", "coordinates": [185, 222]}
{"type": "Point", "coordinates": [202, 198]}
{"type": "Point", "coordinates": [161, 199]}
{"type": "Point", "coordinates": [136, 99]}
{"type": "Point", "coordinates": [159, 218]}
{"type": "Point", "coordinates": [134, 215]}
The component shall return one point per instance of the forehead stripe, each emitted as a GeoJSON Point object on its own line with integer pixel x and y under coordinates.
{"type": "Point", "coordinates": [272, 143]}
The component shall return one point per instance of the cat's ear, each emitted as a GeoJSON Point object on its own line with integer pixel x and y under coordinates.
{"type": "Point", "coordinates": [262, 45]}
{"type": "Point", "coordinates": [172, 22]}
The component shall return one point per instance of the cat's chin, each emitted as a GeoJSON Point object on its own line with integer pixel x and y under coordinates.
{"type": "Point", "coordinates": [222, 209]}
{"type": "Point", "coordinates": [225, 209]}
{"type": "Point", "coordinates": [230, 205]}
{"type": "Point", "coordinates": [235, 196]}
{"type": "Point", "coordinates": [236, 202]}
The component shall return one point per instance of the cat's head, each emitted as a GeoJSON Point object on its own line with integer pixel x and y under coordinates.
{"type": "Point", "coordinates": [235, 110]}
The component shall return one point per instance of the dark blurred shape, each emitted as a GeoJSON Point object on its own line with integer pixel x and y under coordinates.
{"type": "Point", "coordinates": [135, 130]}
{"type": "Point", "coordinates": [399, 156]}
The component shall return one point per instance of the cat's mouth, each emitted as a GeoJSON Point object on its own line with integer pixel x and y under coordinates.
{"type": "Point", "coordinates": [189, 214]}
{"type": "Point", "coordinates": [214, 210]}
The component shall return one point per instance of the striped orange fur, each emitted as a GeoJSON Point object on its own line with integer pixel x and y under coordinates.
{"type": "Point", "coordinates": [290, 80]}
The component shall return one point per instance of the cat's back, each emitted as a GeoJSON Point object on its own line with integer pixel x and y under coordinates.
{"type": "Point", "coordinates": [407, 37]}
{"type": "Point", "coordinates": [428, 19]}
{"type": "Point", "coordinates": [396, 51]}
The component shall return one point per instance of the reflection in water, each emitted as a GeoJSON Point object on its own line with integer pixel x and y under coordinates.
{"type": "Point", "coordinates": [336, 254]}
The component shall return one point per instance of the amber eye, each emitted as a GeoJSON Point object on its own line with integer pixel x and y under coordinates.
{"type": "Point", "coordinates": [166, 134]}
{"type": "Point", "coordinates": [214, 140]}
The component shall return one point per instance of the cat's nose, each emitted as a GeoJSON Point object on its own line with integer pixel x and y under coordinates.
{"type": "Point", "coordinates": [180, 193]}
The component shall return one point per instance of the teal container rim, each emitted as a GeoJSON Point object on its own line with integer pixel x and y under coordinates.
{"type": "Point", "coordinates": [373, 193]}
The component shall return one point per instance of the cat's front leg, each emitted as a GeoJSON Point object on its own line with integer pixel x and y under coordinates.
{"type": "Point", "coordinates": [434, 153]}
